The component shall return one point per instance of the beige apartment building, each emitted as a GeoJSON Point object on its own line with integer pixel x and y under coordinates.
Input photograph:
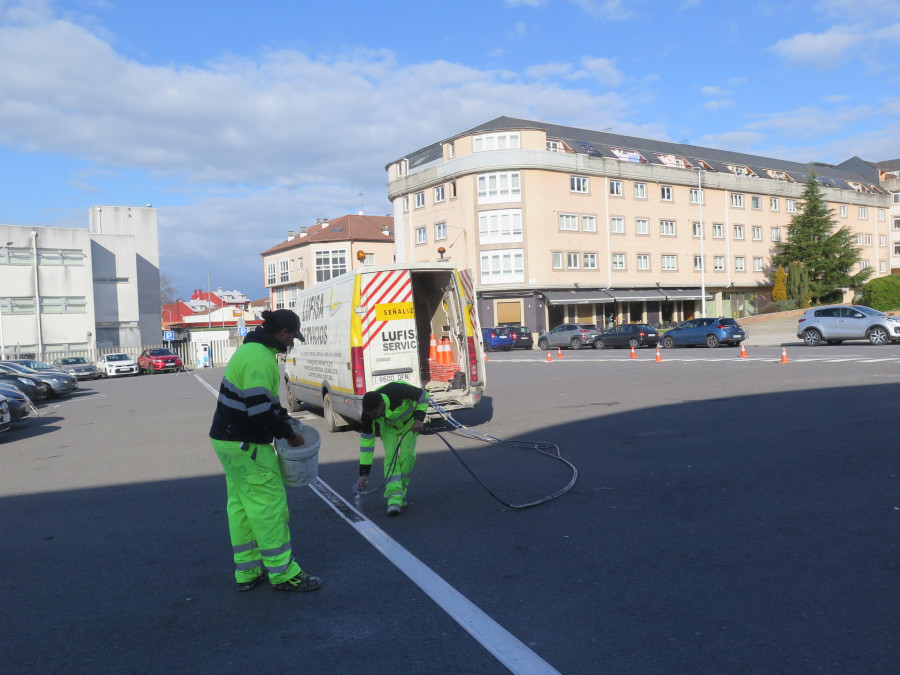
{"type": "Point", "coordinates": [564, 224]}
{"type": "Point", "coordinates": [323, 251]}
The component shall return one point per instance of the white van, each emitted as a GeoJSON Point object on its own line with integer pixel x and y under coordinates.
{"type": "Point", "coordinates": [375, 325]}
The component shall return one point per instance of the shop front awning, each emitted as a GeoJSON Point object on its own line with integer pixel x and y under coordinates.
{"type": "Point", "coordinates": [636, 296]}
{"type": "Point", "coordinates": [575, 297]}
{"type": "Point", "coordinates": [685, 294]}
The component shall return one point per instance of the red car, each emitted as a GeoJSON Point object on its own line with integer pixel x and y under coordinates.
{"type": "Point", "coordinates": [159, 360]}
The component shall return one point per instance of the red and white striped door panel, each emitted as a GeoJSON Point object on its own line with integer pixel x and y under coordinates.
{"type": "Point", "coordinates": [382, 288]}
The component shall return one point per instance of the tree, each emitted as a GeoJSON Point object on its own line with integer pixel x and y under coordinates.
{"type": "Point", "coordinates": [828, 256]}
{"type": "Point", "coordinates": [779, 291]}
{"type": "Point", "coordinates": [798, 284]}
{"type": "Point", "coordinates": [882, 293]}
{"type": "Point", "coordinates": [167, 291]}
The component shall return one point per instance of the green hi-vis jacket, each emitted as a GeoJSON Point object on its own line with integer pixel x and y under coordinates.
{"type": "Point", "coordinates": [403, 404]}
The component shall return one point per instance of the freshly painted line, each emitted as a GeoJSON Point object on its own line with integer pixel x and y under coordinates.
{"type": "Point", "coordinates": [489, 634]}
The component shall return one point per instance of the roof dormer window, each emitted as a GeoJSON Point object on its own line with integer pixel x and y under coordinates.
{"type": "Point", "coordinates": [625, 155]}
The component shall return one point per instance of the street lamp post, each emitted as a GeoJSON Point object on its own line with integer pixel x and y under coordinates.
{"type": "Point", "coordinates": [465, 236]}
{"type": "Point", "coordinates": [2, 343]}
{"type": "Point", "coordinates": [702, 237]}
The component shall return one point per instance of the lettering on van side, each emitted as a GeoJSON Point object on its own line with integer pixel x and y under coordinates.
{"type": "Point", "coordinates": [399, 340]}
{"type": "Point", "coordinates": [315, 335]}
{"type": "Point", "coordinates": [312, 308]}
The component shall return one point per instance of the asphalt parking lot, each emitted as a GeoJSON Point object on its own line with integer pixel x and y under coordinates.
{"type": "Point", "coordinates": [730, 515]}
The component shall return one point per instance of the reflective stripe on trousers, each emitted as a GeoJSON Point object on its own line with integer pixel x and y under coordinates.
{"type": "Point", "coordinates": [257, 512]}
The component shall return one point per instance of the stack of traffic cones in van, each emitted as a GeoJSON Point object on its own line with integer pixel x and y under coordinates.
{"type": "Point", "coordinates": [433, 359]}
{"type": "Point", "coordinates": [443, 369]}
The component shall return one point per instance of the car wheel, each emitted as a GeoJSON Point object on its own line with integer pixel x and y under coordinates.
{"type": "Point", "coordinates": [634, 343]}
{"type": "Point", "coordinates": [668, 342]}
{"type": "Point", "coordinates": [486, 346]}
{"type": "Point", "coordinates": [543, 344]}
{"type": "Point", "coordinates": [41, 392]}
{"type": "Point", "coordinates": [506, 349]}
{"type": "Point", "coordinates": [293, 404]}
{"type": "Point", "coordinates": [575, 343]}
{"type": "Point", "coordinates": [712, 341]}
{"type": "Point", "coordinates": [598, 344]}
{"type": "Point", "coordinates": [812, 337]}
{"type": "Point", "coordinates": [878, 335]}
{"type": "Point", "coordinates": [331, 422]}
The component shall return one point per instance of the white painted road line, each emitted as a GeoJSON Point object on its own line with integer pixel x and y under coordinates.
{"type": "Point", "coordinates": [505, 647]}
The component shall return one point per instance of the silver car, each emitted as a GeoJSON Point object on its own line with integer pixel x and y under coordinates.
{"type": "Point", "coordinates": [569, 335]}
{"type": "Point", "coordinates": [78, 366]}
{"type": "Point", "coordinates": [836, 323]}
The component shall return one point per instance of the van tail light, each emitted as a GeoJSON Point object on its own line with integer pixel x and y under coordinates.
{"type": "Point", "coordinates": [359, 372]}
{"type": "Point", "coordinates": [473, 360]}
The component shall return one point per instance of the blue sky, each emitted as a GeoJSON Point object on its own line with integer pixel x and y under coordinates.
{"type": "Point", "coordinates": [240, 121]}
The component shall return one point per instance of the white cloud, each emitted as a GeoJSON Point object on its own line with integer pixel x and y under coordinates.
{"type": "Point", "coordinates": [546, 71]}
{"type": "Point", "coordinates": [713, 91]}
{"type": "Point", "coordinates": [858, 9]}
{"type": "Point", "coordinates": [614, 10]}
{"type": "Point", "coordinates": [718, 104]}
{"type": "Point", "coordinates": [602, 70]}
{"type": "Point", "coordinates": [738, 141]}
{"type": "Point", "coordinates": [822, 49]}
{"type": "Point", "coordinates": [529, 3]}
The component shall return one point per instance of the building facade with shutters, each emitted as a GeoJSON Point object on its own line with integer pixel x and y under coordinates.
{"type": "Point", "coordinates": [564, 224]}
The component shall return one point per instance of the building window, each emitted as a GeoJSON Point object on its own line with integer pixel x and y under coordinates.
{"type": "Point", "coordinates": [863, 264]}
{"type": "Point", "coordinates": [790, 205]}
{"type": "Point", "coordinates": [68, 257]}
{"type": "Point", "coordinates": [279, 298]}
{"type": "Point", "coordinates": [499, 187]}
{"type": "Point", "coordinates": [590, 261]}
{"type": "Point", "coordinates": [698, 263]}
{"type": "Point", "coordinates": [665, 193]}
{"type": "Point", "coordinates": [440, 231]}
{"type": "Point", "coordinates": [406, 203]}
{"type": "Point", "coordinates": [696, 230]}
{"type": "Point", "coordinates": [438, 194]}
{"type": "Point", "coordinates": [615, 188]}
{"type": "Point", "coordinates": [643, 261]}
{"type": "Point", "coordinates": [640, 191]}
{"type": "Point", "coordinates": [880, 215]}
{"type": "Point", "coordinates": [568, 222]}
{"type": "Point", "coordinates": [882, 240]}
{"type": "Point", "coordinates": [573, 260]}
{"type": "Point", "coordinates": [738, 232]}
{"type": "Point", "coordinates": [776, 234]}
{"type": "Point", "coordinates": [554, 146]}
{"type": "Point", "coordinates": [421, 235]}
{"type": "Point", "coordinates": [500, 141]}
{"type": "Point", "coordinates": [330, 264]}
{"type": "Point", "coordinates": [897, 223]}
{"type": "Point", "coordinates": [420, 200]}
{"type": "Point", "coordinates": [737, 200]}
{"type": "Point", "coordinates": [557, 260]}
{"type": "Point", "coordinates": [697, 195]}
{"type": "Point", "coordinates": [897, 248]}
{"type": "Point", "coordinates": [299, 263]}
{"type": "Point", "coordinates": [618, 261]}
{"type": "Point", "coordinates": [859, 239]}
{"type": "Point", "coordinates": [642, 226]}
{"type": "Point", "coordinates": [757, 233]}
{"type": "Point", "coordinates": [863, 213]}
{"type": "Point", "coordinates": [895, 196]}
{"type": "Point", "coordinates": [270, 273]}
{"type": "Point", "coordinates": [15, 256]}
{"type": "Point", "coordinates": [579, 184]}
{"type": "Point", "coordinates": [773, 203]}
{"type": "Point", "coordinates": [718, 231]}
{"type": "Point", "coordinates": [718, 263]}
{"type": "Point", "coordinates": [868, 240]}
{"type": "Point", "coordinates": [17, 305]}
{"type": "Point", "coordinates": [843, 210]}
{"type": "Point", "coordinates": [670, 262]}
{"type": "Point", "coordinates": [293, 290]}
{"type": "Point", "coordinates": [369, 259]}
{"type": "Point", "coordinates": [755, 202]}
{"type": "Point", "coordinates": [757, 264]}
{"type": "Point", "coordinates": [453, 189]}
{"type": "Point", "coordinates": [617, 225]}
{"type": "Point", "coordinates": [589, 223]}
{"type": "Point", "coordinates": [500, 267]}
{"type": "Point", "coordinates": [500, 226]}
{"type": "Point", "coordinates": [451, 150]}
{"type": "Point", "coordinates": [667, 228]}
{"type": "Point", "coordinates": [739, 263]}
{"type": "Point", "coordinates": [882, 266]}
{"type": "Point", "coordinates": [63, 305]}
{"type": "Point", "coordinates": [284, 274]}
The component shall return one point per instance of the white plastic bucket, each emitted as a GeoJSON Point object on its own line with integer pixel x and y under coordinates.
{"type": "Point", "coordinates": [300, 465]}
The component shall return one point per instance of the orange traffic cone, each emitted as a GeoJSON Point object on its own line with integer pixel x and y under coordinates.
{"type": "Point", "coordinates": [432, 349]}
{"type": "Point", "coordinates": [784, 358]}
{"type": "Point", "coordinates": [549, 358]}
{"type": "Point", "coordinates": [658, 357]}
{"type": "Point", "coordinates": [559, 353]}
{"type": "Point", "coordinates": [633, 354]}
{"type": "Point", "coordinates": [743, 351]}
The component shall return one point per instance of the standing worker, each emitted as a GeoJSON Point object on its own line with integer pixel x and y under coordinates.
{"type": "Point", "coordinates": [399, 411]}
{"type": "Point", "coordinates": [248, 417]}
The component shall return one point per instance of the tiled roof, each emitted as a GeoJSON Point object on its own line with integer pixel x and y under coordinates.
{"type": "Point", "coordinates": [345, 228]}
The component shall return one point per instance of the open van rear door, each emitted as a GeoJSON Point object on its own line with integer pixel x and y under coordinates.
{"type": "Point", "coordinates": [389, 340]}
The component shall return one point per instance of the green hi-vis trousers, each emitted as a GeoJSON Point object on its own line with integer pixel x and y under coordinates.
{"type": "Point", "coordinates": [257, 512]}
{"type": "Point", "coordinates": [397, 473]}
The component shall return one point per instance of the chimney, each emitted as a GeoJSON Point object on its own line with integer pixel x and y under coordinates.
{"type": "Point", "coordinates": [290, 235]}
{"type": "Point", "coordinates": [302, 231]}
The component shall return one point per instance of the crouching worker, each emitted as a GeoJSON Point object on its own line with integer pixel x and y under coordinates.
{"type": "Point", "coordinates": [398, 410]}
{"type": "Point", "coordinates": [248, 417]}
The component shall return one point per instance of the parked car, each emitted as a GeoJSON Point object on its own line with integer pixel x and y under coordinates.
{"type": "Point", "coordinates": [569, 335]}
{"type": "Point", "coordinates": [522, 338]}
{"type": "Point", "coordinates": [496, 338]}
{"type": "Point", "coordinates": [711, 332]}
{"type": "Point", "coordinates": [32, 387]}
{"type": "Point", "coordinates": [78, 366]}
{"type": "Point", "coordinates": [836, 323]}
{"type": "Point", "coordinates": [35, 365]}
{"type": "Point", "coordinates": [628, 335]}
{"type": "Point", "coordinates": [59, 383]}
{"type": "Point", "coordinates": [20, 406]}
{"type": "Point", "coordinates": [112, 365]}
{"type": "Point", "coordinates": [159, 360]}
{"type": "Point", "coordinates": [5, 418]}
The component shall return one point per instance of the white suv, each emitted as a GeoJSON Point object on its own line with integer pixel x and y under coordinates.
{"type": "Point", "coordinates": [836, 323]}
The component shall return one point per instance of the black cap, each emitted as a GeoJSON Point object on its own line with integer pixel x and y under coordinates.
{"type": "Point", "coordinates": [283, 318]}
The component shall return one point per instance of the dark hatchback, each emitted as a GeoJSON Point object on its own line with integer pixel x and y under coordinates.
{"type": "Point", "coordinates": [522, 336]}
{"type": "Point", "coordinates": [709, 332]}
{"type": "Point", "coordinates": [630, 335]}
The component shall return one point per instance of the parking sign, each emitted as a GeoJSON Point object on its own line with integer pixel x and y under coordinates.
{"type": "Point", "coordinates": [242, 330]}
{"type": "Point", "coordinates": [168, 335]}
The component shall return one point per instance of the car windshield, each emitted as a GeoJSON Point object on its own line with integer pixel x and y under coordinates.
{"type": "Point", "coordinates": [523, 329]}
{"type": "Point", "coordinates": [160, 352]}
{"type": "Point", "coordinates": [18, 367]}
{"type": "Point", "coordinates": [117, 357]}
{"type": "Point", "coordinates": [73, 361]}
{"type": "Point", "coordinates": [502, 332]}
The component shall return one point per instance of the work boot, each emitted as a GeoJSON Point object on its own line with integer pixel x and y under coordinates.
{"type": "Point", "coordinates": [394, 509]}
{"type": "Point", "coordinates": [301, 583]}
{"type": "Point", "coordinates": [244, 586]}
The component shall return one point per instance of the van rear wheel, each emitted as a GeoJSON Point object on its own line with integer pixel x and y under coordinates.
{"type": "Point", "coordinates": [293, 404]}
{"type": "Point", "coordinates": [331, 420]}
